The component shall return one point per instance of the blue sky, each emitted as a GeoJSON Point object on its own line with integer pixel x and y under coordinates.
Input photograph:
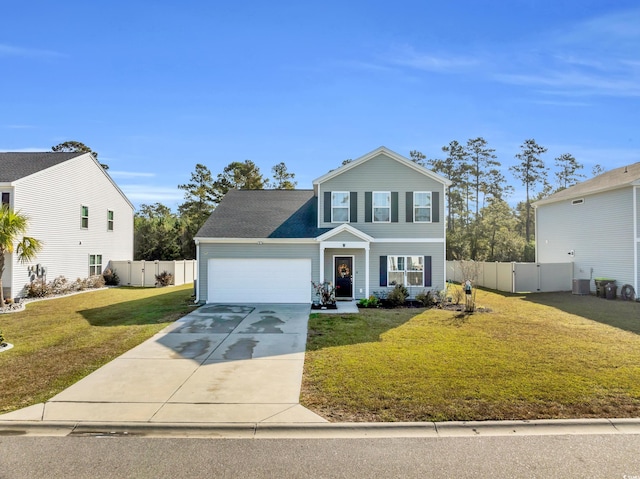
{"type": "Point", "coordinates": [156, 87]}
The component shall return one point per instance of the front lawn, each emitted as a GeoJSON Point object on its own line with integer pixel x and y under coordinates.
{"type": "Point", "coordinates": [59, 341]}
{"type": "Point", "coordinates": [530, 357]}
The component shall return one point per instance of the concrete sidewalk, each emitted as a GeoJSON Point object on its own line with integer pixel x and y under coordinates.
{"type": "Point", "coordinates": [219, 364]}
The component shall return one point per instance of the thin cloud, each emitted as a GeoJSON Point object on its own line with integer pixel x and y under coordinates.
{"type": "Point", "coordinates": [598, 57]}
{"type": "Point", "coordinates": [151, 194]}
{"type": "Point", "coordinates": [433, 62]}
{"type": "Point", "coordinates": [10, 50]}
{"type": "Point", "coordinates": [130, 174]}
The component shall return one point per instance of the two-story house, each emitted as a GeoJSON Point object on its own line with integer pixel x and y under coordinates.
{"type": "Point", "coordinates": [373, 223]}
{"type": "Point", "coordinates": [74, 208]}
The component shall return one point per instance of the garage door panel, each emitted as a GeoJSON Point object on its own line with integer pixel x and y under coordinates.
{"type": "Point", "coordinates": [259, 280]}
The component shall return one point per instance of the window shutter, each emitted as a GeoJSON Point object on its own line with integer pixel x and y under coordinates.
{"type": "Point", "coordinates": [409, 208]}
{"type": "Point", "coordinates": [353, 198]}
{"type": "Point", "coordinates": [383, 270]}
{"type": "Point", "coordinates": [435, 207]}
{"type": "Point", "coordinates": [427, 271]}
{"type": "Point", "coordinates": [368, 206]}
{"type": "Point", "coordinates": [394, 206]}
{"type": "Point", "coordinates": [327, 207]}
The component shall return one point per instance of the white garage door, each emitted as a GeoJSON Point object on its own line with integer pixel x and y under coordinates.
{"type": "Point", "coordinates": [233, 280]}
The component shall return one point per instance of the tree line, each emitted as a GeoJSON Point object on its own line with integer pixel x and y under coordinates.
{"type": "Point", "coordinates": [481, 224]}
{"type": "Point", "coordinates": [161, 234]}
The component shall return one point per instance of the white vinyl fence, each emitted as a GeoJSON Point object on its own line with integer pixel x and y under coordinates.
{"type": "Point", "coordinates": [143, 273]}
{"type": "Point", "coordinates": [515, 277]}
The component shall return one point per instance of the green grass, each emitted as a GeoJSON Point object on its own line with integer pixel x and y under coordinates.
{"type": "Point", "coordinates": [59, 341]}
{"type": "Point", "coordinates": [529, 357]}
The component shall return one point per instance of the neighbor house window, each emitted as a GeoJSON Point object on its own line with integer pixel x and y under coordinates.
{"type": "Point", "coordinates": [109, 220]}
{"type": "Point", "coordinates": [5, 199]}
{"type": "Point", "coordinates": [381, 207]}
{"type": "Point", "coordinates": [84, 217]}
{"type": "Point", "coordinates": [406, 270]}
{"type": "Point", "coordinates": [422, 207]}
{"type": "Point", "coordinates": [95, 264]}
{"type": "Point", "coordinates": [339, 206]}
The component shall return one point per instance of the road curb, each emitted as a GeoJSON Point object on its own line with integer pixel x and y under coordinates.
{"type": "Point", "coordinates": [324, 430]}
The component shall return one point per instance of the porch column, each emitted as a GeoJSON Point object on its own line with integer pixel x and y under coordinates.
{"type": "Point", "coordinates": [322, 248]}
{"type": "Point", "coordinates": [366, 269]}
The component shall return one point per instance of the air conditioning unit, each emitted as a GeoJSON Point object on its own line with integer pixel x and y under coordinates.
{"type": "Point", "coordinates": [581, 286]}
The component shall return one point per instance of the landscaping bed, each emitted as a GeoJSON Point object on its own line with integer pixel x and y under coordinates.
{"type": "Point", "coordinates": [526, 357]}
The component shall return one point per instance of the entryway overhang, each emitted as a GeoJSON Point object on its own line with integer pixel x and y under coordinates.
{"type": "Point", "coordinates": [345, 237]}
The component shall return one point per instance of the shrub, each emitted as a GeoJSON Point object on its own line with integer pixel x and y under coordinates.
{"type": "Point", "coordinates": [1, 338]}
{"type": "Point", "coordinates": [426, 298]}
{"type": "Point", "coordinates": [96, 281]}
{"type": "Point", "coordinates": [38, 288]}
{"type": "Point", "coordinates": [397, 296]}
{"type": "Point", "coordinates": [164, 279]}
{"type": "Point", "coordinates": [60, 285]}
{"type": "Point", "coordinates": [370, 302]}
{"type": "Point", "coordinates": [111, 278]}
{"type": "Point", "coordinates": [325, 291]}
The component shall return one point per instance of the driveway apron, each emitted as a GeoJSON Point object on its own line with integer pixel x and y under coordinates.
{"type": "Point", "coordinates": [219, 364]}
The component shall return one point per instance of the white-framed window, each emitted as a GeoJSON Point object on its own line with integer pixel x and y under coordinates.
{"type": "Point", "coordinates": [95, 264]}
{"type": "Point", "coordinates": [381, 207]}
{"type": "Point", "coordinates": [340, 206]}
{"type": "Point", "coordinates": [84, 217]}
{"type": "Point", "coordinates": [6, 199]}
{"type": "Point", "coordinates": [109, 220]}
{"type": "Point", "coordinates": [422, 207]}
{"type": "Point", "coordinates": [406, 270]}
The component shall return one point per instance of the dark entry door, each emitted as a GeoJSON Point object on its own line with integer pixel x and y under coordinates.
{"type": "Point", "coordinates": [344, 276]}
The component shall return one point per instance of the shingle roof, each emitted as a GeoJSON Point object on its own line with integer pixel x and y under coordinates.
{"type": "Point", "coordinates": [264, 214]}
{"type": "Point", "coordinates": [14, 166]}
{"type": "Point", "coordinates": [609, 180]}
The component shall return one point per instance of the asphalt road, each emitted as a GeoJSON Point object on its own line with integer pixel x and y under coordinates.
{"type": "Point", "coordinates": [593, 456]}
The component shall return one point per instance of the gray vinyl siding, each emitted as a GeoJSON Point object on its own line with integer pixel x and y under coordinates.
{"type": "Point", "coordinates": [345, 236]}
{"type": "Point", "coordinates": [599, 231]}
{"type": "Point", "coordinates": [385, 174]}
{"type": "Point", "coordinates": [435, 250]}
{"type": "Point", "coordinates": [52, 199]}
{"type": "Point", "coordinates": [247, 251]}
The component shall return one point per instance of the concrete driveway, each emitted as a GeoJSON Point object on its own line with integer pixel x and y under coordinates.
{"type": "Point", "coordinates": [218, 364]}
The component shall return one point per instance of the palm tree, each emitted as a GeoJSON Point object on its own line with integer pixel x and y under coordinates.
{"type": "Point", "coordinates": [13, 224]}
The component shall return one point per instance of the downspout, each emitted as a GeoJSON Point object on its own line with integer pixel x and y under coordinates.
{"type": "Point", "coordinates": [197, 282]}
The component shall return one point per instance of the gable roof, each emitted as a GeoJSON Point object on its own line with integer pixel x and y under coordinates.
{"type": "Point", "coordinates": [17, 165]}
{"type": "Point", "coordinates": [264, 214]}
{"type": "Point", "coordinates": [383, 150]}
{"type": "Point", "coordinates": [609, 180]}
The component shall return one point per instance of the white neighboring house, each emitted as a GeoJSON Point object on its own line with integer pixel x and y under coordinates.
{"type": "Point", "coordinates": [595, 225]}
{"type": "Point", "coordinates": [74, 208]}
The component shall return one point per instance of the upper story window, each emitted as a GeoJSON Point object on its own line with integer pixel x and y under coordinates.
{"type": "Point", "coordinates": [6, 199]}
{"type": "Point", "coordinates": [422, 206]}
{"type": "Point", "coordinates": [381, 206]}
{"type": "Point", "coordinates": [84, 217]}
{"type": "Point", "coordinates": [339, 206]}
{"type": "Point", "coordinates": [109, 220]}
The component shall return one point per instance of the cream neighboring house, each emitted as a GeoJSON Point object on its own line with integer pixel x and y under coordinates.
{"type": "Point", "coordinates": [595, 225]}
{"type": "Point", "coordinates": [74, 207]}
{"type": "Point", "coordinates": [366, 226]}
